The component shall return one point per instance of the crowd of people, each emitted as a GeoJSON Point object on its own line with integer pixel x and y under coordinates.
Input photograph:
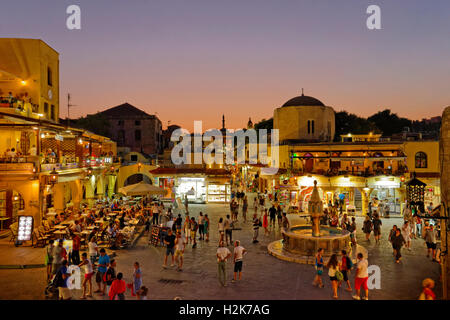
{"type": "Point", "coordinates": [111, 225]}
{"type": "Point", "coordinates": [178, 233]}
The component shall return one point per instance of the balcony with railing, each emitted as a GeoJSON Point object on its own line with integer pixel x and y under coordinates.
{"type": "Point", "coordinates": [19, 107]}
{"type": "Point", "coordinates": [34, 164]}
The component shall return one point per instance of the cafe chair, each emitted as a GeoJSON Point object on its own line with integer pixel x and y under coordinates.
{"type": "Point", "coordinates": [14, 230]}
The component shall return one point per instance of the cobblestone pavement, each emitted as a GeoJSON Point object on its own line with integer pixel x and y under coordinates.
{"type": "Point", "coordinates": [264, 276]}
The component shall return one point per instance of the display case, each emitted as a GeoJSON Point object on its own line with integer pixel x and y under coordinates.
{"type": "Point", "coordinates": [219, 193]}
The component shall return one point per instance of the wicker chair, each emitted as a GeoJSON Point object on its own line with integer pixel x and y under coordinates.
{"type": "Point", "coordinates": [38, 239]}
{"type": "Point", "coordinates": [14, 227]}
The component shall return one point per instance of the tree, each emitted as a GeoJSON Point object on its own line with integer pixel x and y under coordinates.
{"type": "Point", "coordinates": [264, 124]}
{"type": "Point", "coordinates": [351, 123]}
{"type": "Point", "coordinates": [389, 123]}
{"type": "Point", "coordinates": [96, 123]}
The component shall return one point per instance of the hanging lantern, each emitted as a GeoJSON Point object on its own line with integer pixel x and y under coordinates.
{"type": "Point", "coordinates": [415, 193]}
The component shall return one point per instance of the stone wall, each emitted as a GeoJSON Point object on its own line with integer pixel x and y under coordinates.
{"type": "Point", "coordinates": [444, 156]}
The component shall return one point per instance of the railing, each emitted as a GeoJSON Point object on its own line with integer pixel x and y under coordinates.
{"type": "Point", "coordinates": [19, 107]}
{"type": "Point", "coordinates": [47, 164]}
{"type": "Point", "coordinates": [361, 173]}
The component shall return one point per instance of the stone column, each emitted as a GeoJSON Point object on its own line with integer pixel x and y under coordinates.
{"type": "Point", "coordinates": [444, 158]}
{"type": "Point", "coordinates": [58, 197]}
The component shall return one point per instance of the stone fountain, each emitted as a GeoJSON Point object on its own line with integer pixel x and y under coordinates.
{"type": "Point", "coordinates": [301, 242]}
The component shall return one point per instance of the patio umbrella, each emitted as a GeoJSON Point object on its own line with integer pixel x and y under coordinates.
{"type": "Point", "coordinates": [141, 189]}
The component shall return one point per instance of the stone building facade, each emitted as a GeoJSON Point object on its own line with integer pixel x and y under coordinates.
{"type": "Point", "coordinates": [134, 128]}
{"type": "Point", "coordinates": [445, 199]}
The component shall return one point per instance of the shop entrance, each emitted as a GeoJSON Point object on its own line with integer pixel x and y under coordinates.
{"type": "Point", "coordinates": [193, 188]}
{"type": "Point", "coordinates": [11, 202]}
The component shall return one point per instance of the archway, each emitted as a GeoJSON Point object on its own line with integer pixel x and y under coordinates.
{"type": "Point", "coordinates": [309, 163]}
{"type": "Point", "coordinates": [11, 202]}
{"type": "Point", "coordinates": [136, 178]}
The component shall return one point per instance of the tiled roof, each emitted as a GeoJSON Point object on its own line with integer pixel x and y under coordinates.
{"type": "Point", "coordinates": [124, 110]}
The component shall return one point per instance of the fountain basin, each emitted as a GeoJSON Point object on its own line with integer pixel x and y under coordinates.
{"type": "Point", "coordinates": [300, 241]}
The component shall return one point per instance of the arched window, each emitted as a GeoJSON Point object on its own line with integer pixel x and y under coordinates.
{"type": "Point", "coordinates": [421, 160]}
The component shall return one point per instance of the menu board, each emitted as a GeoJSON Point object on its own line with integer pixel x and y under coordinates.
{"type": "Point", "coordinates": [25, 228]}
{"type": "Point", "coordinates": [154, 237]}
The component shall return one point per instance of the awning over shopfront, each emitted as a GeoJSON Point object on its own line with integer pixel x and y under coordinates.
{"type": "Point", "coordinates": [383, 182]}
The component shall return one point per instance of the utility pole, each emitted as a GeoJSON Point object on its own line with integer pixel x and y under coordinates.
{"type": "Point", "coordinates": [68, 109]}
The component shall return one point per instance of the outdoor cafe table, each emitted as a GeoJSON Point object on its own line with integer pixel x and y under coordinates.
{"type": "Point", "coordinates": [67, 223]}
{"type": "Point", "coordinates": [91, 227]}
{"type": "Point", "coordinates": [60, 227]}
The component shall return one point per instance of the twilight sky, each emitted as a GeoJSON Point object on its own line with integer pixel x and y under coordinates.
{"type": "Point", "coordinates": [189, 60]}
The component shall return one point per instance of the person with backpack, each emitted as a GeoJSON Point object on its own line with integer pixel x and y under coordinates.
{"type": "Point", "coordinates": [367, 227]}
{"type": "Point", "coordinates": [334, 273]}
{"type": "Point", "coordinates": [346, 267]}
{"type": "Point", "coordinates": [194, 227]}
{"type": "Point", "coordinates": [61, 282]}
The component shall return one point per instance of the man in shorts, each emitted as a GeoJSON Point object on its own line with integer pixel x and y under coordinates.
{"type": "Point", "coordinates": [180, 244]}
{"type": "Point", "coordinates": [169, 241]}
{"type": "Point", "coordinates": [194, 227]}
{"type": "Point", "coordinates": [103, 263]}
{"type": "Point", "coordinates": [239, 252]}
{"type": "Point", "coordinates": [62, 276]}
{"type": "Point", "coordinates": [361, 277]}
{"type": "Point", "coordinates": [430, 239]}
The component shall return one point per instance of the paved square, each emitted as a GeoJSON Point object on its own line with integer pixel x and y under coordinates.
{"type": "Point", "coordinates": [264, 276]}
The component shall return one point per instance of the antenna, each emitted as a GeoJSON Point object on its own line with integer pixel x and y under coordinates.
{"type": "Point", "coordinates": [68, 109]}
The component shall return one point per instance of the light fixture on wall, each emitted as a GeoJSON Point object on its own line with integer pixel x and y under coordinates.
{"type": "Point", "coordinates": [53, 177]}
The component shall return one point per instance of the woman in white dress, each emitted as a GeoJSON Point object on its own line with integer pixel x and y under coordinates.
{"type": "Point", "coordinates": [406, 233]}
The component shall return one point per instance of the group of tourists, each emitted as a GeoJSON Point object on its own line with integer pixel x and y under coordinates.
{"type": "Point", "coordinates": [109, 282]}
{"type": "Point", "coordinates": [339, 271]}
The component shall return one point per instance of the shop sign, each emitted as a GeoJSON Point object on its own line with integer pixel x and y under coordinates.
{"type": "Point", "coordinates": [59, 137]}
